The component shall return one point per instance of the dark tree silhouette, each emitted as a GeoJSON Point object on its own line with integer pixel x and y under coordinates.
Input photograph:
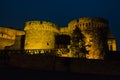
{"type": "Point", "coordinates": [78, 43]}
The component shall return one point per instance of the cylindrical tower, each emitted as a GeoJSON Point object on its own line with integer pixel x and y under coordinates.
{"type": "Point", "coordinates": [95, 32]}
{"type": "Point", "coordinates": [40, 35]}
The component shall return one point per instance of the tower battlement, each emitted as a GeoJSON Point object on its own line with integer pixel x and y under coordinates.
{"type": "Point", "coordinates": [88, 23]}
{"type": "Point", "coordinates": [41, 25]}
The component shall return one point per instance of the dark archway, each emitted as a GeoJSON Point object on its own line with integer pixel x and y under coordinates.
{"type": "Point", "coordinates": [62, 41]}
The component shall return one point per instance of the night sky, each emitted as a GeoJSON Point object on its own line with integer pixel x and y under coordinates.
{"type": "Point", "coordinates": [14, 13]}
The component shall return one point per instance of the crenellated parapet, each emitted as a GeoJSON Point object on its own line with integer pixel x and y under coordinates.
{"type": "Point", "coordinates": [88, 23]}
{"type": "Point", "coordinates": [95, 32]}
{"type": "Point", "coordinates": [41, 25]}
{"type": "Point", "coordinates": [9, 33]}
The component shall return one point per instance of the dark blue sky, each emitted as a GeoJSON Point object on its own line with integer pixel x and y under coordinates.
{"type": "Point", "coordinates": [14, 13]}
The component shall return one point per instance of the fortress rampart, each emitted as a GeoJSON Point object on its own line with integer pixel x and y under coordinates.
{"type": "Point", "coordinates": [95, 31]}
{"type": "Point", "coordinates": [40, 35]}
{"type": "Point", "coordinates": [41, 25]}
{"type": "Point", "coordinates": [8, 33]}
{"type": "Point", "coordinates": [88, 23]}
{"type": "Point", "coordinates": [7, 36]}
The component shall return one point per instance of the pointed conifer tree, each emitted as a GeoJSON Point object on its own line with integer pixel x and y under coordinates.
{"type": "Point", "coordinates": [78, 43]}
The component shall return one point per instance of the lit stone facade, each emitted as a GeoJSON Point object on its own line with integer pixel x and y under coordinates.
{"type": "Point", "coordinates": [42, 35]}
{"type": "Point", "coordinates": [7, 36]}
{"type": "Point", "coordinates": [95, 31]}
{"type": "Point", "coordinates": [111, 42]}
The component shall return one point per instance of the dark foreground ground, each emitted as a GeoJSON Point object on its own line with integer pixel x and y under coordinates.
{"type": "Point", "coordinates": [10, 73]}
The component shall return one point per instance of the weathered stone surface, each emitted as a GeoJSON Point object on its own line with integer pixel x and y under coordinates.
{"type": "Point", "coordinates": [40, 35]}
{"type": "Point", "coordinates": [7, 36]}
{"type": "Point", "coordinates": [5, 42]}
{"type": "Point", "coordinates": [95, 32]}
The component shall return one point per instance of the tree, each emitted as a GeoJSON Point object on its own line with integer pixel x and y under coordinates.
{"type": "Point", "coordinates": [78, 43]}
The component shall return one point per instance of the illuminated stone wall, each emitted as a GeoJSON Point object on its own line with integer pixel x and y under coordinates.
{"type": "Point", "coordinates": [18, 43]}
{"type": "Point", "coordinates": [5, 42]}
{"type": "Point", "coordinates": [95, 32]}
{"type": "Point", "coordinates": [111, 42]}
{"type": "Point", "coordinates": [40, 35]}
{"type": "Point", "coordinates": [8, 35]}
{"type": "Point", "coordinates": [64, 30]}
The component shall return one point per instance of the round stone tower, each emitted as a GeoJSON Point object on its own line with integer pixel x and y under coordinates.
{"type": "Point", "coordinates": [95, 32]}
{"type": "Point", "coordinates": [40, 35]}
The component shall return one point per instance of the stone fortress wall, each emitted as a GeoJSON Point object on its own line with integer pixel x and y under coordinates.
{"type": "Point", "coordinates": [7, 36]}
{"type": "Point", "coordinates": [88, 23]}
{"type": "Point", "coordinates": [42, 35]}
{"type": "Point", "coordinates": [95, 32]}
{"type": "Point", "coordinates": [8, 33]}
